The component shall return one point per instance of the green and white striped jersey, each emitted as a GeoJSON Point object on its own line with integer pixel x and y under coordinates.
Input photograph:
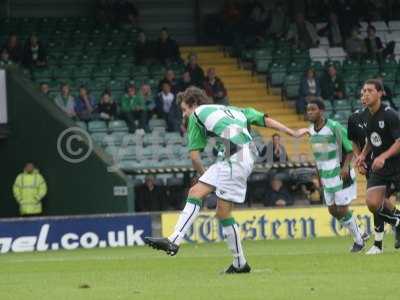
{"type": "Point", "coordinates": [227, 122]}
{"type": "Point", "coordinates": [330, 146]}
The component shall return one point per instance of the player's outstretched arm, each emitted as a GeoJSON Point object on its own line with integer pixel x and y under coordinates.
{"type": "Point", "coordinates": [274, 124]}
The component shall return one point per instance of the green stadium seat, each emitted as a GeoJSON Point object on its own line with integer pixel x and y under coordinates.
{"type": "Point", "coordinates": [81, 125]}
{"type": "Point", "coordinates": [97, 126]}
{"type": "Point", "coordinates": [98, 137]}
{"type": "Point", "coordinates": [118, 126]}
{"type": "Point", "coordinates": [132, 140]}
{"type": "Point", "coordinates": [291, 86]}
{"type": "Point", "coordinates": [157, 123]}
{"type": "Point", "coordinates": [389, 65]}
{"type": "Point", "coordinates": [114, 139]}
{"type": "Point", "coordinates": [342, 105]}
{"type": "Point", "coordinates": [277, 74]}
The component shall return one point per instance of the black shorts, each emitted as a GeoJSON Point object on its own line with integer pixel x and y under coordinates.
{"type": "Point", "coordinates": [392, 183]}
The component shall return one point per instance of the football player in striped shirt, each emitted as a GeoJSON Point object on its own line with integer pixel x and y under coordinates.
{"type": "Point", "coordinates": [227, 177]}
{"type": "Point", "coordinates": [333, 155]}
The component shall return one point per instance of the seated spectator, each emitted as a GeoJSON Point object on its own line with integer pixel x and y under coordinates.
{"type": "Point", "coordinates": [279, 21]}
{"type": "Point", "coordinates": [167, 48]}
{"type": "Point", "coordinates": [133, 110]}
{"type": "Point", "coordinates": [144, 50]}
{"type": "Point", "coordinates": [65, 101]}
{"type": "Point", "coordinates": [84, 105]}
{"type": "Point", "coordinates": [104, 12]}
{"type": "Point", "coordinates": [168, 109]}
{"type": "Point", "coordinates": [169, 77]}
{"type": "Point", "coordinates": [215, 88]}
{"type": "Point", "coordinates": [355, 45]}
{"type": "Point", "coordinates": [185, 82]}
{"type": "Point", "coordinates": [29, 189]}
{"type": "Point", "coordinates": [309, 90]}
{"type": "Point", "coordinates": [312, 190]}
{"type": "Point", "coordinates": [14, 48]}
{"type": "Point", "coordinates": [34, 53]}
{"type": "Point", "coordinates": [44, 89]}
{"type": "Point", "coordinates": [125, 12]}
{"type": "Point", "coordinates": [333, 31]}
{"type": "Point", "coordinates": [278, 195]}
{"type": "Point", "coordinates": [256, 19]}
{"type": "Point", "coordinates": [149, 101]}
{"type": "Point", "coordinates": [195, 71]}
{"type": "Point", "coordinates": [275, 151]}
{"type": "Point", "coordinates": [150, 197]}
{"type": "Point", "coordinates": [302, 33]}
{"type": "Point", "coordinates": [107, 108]}
{"type": "Point", "coordinates": [374, 45]}
{"type": "Point", "coordinates": [5, 58]}
{"type": "Point", "coordinates": [332, 85]}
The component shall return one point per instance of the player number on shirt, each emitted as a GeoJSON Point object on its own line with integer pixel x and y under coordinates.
{"type": "Point", "coordinates": [229, 114]}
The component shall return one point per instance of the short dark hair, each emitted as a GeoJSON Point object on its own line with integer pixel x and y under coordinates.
{"type": "Point", "coordinates": [319, 103]}
{"type": "Point", "coordinates": [276, 134]}
{"type": "Point", "coordinates": [376, 82]}
{"type": "Point", "coordinates": [371, 27]}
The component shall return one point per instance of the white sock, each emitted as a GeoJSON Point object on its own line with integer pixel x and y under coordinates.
{"type": "Point", "coordinates": [186, 219]}
{"type": "Point", "coordinates": [231, 232]}
{"type": "Point", "coordinates": [350, 223]}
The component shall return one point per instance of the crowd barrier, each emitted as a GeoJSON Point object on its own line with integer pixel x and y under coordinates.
{"type": "Point", "coordinates": [53, 233]}
{"type": "Point", "coordinates": [271, 224]}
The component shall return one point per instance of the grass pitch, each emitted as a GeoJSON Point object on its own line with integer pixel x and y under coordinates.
{"type": "Point", "coordinates": [290, 269]}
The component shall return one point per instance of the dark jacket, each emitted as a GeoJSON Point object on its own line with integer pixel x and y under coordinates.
{"type": "Point", "coordinates": [147, 200]}
{"type": "Point", "coordinates": [168, 50]}
{"type": "Point", "coordinates": [16, 54]}
{"type": "Point", "coordinates": [329, 87]}
{"type": "Point", "coordinates": [108, 108]}
{"type": "Point", "coordinates": [274, 196]}
{"type": "Point", "coordinates": [197, 75]}
{"type": "Point", "coordinates": [28, 59]}
{"type": "Point", "coordinates": [368, 44]}
{"type": "Point", "coordinates": [213, 89]}
{"type": "Point", "coordinates": [144, 52]}
{"type": "Point", "coordinates": [304, 90]}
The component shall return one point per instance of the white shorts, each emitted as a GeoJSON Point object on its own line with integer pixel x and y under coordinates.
{"type": "Point", "coordinates": [342, 197]}
{"type": "Point", "coordinates": [229, 177]}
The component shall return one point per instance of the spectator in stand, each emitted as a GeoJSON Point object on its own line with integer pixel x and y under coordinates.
{"type": "Point", "coordinates": [374, 45]}
{"type": "Point", "coordinates": [44, 89]}
{"type": "Point", "coordinates": [312, 191]}
{"type": "Point", "coordinates": [65, 101]}
{"type": "Point", "coordinates": [84, 105]}
{"type": "Point", "coordinates": [34, 53]}
{"type": "Point", "coordinates": [168, 109]}
{"type": "Point", "coordinates": [195, 71]}
{"type": "Point", "coordinates": [256, 18]}
{"type": "Point", "coordinates": [279, 21]}
{"type": "Point", "coordinates": [167, 48]}
{"type": "Point", "coordinates": [332, 85]}
{"type": "Point", "coordinates": [185, 82]}
{"type": "Point", "coordinates": [231, 16]}
{"type": "Point", "coordinates": [215, 88]}
{"type": "Point", "coordinates": [125, 12]}
{"type": "Point", "coordinates": [333, 31]}
{"type": "Point", "coordinates": [355, 45]}
{"type": "Point", "coordinates": [302, 33]}
{"type": "Point", "coordinates": [107, 108]}
{"type": "Point", "coordinates": [144, 50]}
{"type": "Point", "coordinates": [133, 109]}
{"type": "Point", "coordinates": [14, 48]}
{"type": "Point", "coordinates": [170, 78]}
{"type": "Point", "coordinates": [149, 196]}
{"type": "Point", "coordinates": [5, 58]}
{"type": "Point", "coordinates": [278, 195]}
{"type": "Point", "coordinates": [309, 90]}
{"type": "Point", "coordinates": [29, 189]}
{"type": "Point", "coordinates": [149, 102]}
{"type": "Point", "coordinates": [275, 151]}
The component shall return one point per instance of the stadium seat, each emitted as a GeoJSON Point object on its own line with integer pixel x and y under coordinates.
{"type": "Point", "coordinates": [98, 137]}
{"type": "Point", "coordinates": [337, 53]}
{"type": "Point", "coordinates": [81, 124]}
{"type": "Point", "coordinates": [342, 105]}
{"type": "Point", "coordinates": [114, 138]}
{"type": "Point", "coordinates": [277, 73]}
{"type": "Point", "coordinates": [118, 126]}
{"type": "Point", "coordinates": [97, 126]}
{"type": "Point", "coordinates": [318, 54]}
{"type": "Point", "coordinates": [157, 123]}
